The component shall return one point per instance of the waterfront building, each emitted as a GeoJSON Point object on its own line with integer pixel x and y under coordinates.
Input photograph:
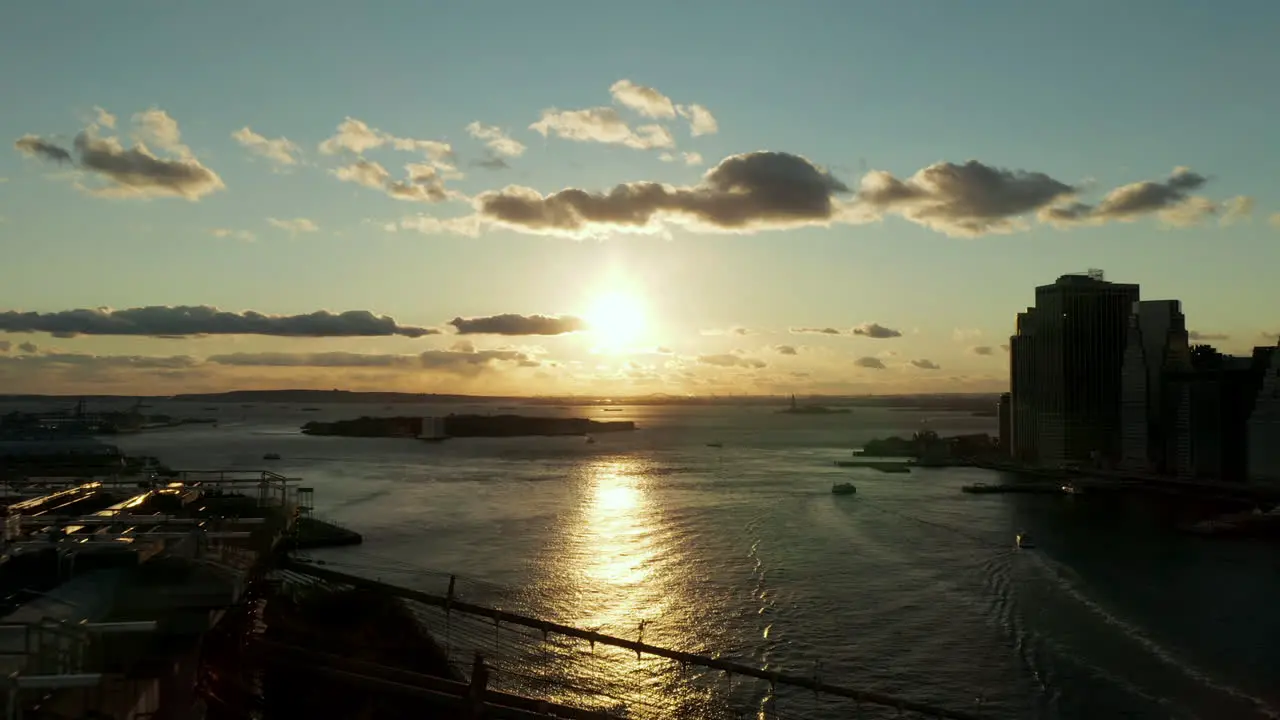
{"type": "Point", "coordinates": [1156, 346]}
{"type": "Point", "coordinates": [1217, 398]}
{"type": "Point", "coordinates": [1004, 411]}
{"type": "Point", "coordinates": [1066, 361]}
{"type": "Point", "coordinates": [1264, 422]}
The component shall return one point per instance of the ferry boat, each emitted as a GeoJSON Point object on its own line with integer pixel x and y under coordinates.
{"type": "Point", "coordinates": [1023, 541]}
{"type": "Point", "coordinates": [271, 456]}
{"type": "Point", "coordinates": [843, 489]}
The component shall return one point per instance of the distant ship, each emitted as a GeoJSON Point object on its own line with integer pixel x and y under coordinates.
{"type": "Point", "coordinates": [795, 409]}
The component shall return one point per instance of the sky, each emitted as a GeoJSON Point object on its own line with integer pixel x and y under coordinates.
{"type": "Point", "coordinates": [561, 197]}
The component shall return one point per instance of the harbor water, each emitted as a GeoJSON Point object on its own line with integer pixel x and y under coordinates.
{"type": "Point", "coordinates": [909, 587]}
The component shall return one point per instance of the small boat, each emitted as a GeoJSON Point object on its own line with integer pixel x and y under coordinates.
{"type": "Point", "coordinates": [591, 440]}
{"type": "Point", "coordinates": [843, 489]}
{"type": "Point", "coordinates": [271, 456]}
{"type": "Point", "coordinates": [1023, 541]}
{"type": "Point", "coordinates": [715, 445]}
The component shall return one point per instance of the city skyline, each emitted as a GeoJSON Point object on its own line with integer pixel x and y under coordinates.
{"type": "Point", "coordinates": [677, 216]}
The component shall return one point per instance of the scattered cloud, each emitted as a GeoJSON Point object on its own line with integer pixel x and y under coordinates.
{"type": "Point", "coordinates": [5, 346]}
{"type": "Point", "coordinates": [602, 125]}
{"type": "Point", "coordinates": [280, 151]}
{"type": "Point", "coordinates": [982, 350]}
{"type": "Point", "coordinates": [461, 362]}
{"type": "Point", "coordinates": [925, 364]}
{"type": "Point", "coordinates": [701, 121]}
{"type": "Point", "coordinates": [104, 118]}
{"type": "Point", "coordinates": [356, 136]}
{"type": "Point", "coordinates": [1274, 220]}
{"type": "Point", "coordinates": [1237, 209]}
{"type": "Point", "coordinates": [1170, 200]}
{"type": "Point", "coordinates": [468, 225]}
{"type": "Point", "coordinates": [294, 226]}
{"type": "Point", "coordinates": [644, 100]}
{"type": "Point", "coordinates": [423, 183]}
{"type": "Point", "coordinates": [244, 235]}
{"type": "Point", "coordinates": [101, 362]}
{"type": "Point", "coordinates": [34, 146]}
{"type": "Point", "coordinates": [195, 320]}
{"type": "Point", "coordinates": [963, 200]}
{"type": "Point", "coordinates": [497, 140]}
{"type": "Point", "coordinates": [739, 331]}
{"type": "Point", "coordinates": [871, 363]}
{"type": "Point", "coordinates": [744, 193]}
{"type": "Point", "coordinates": [29, 348]}
{"type": "Point", "coordinates": [688, 158]}
{"type": "Point", "coordinates": [1005, 347]}
{"type": "Point", "coordinates": [786, 349]}
{"type": "Point", "coordinates": [876, 330]}
{"type": "Point", "coordinates": [512, 324]}
{"type": "Point", "coordinates": [814, 331]}
{"type": "Point", "coordinates": [966, 334]}
{"type": "Point", "coordinates": [134, 172]}
{"type": "Point", "coordinates": [1196, 335]}
{"type": "Point", "coordinates": [732, 360]}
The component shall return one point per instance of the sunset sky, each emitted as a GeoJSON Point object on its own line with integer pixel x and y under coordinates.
{"type": "Point", "coordinates": [609, 198]}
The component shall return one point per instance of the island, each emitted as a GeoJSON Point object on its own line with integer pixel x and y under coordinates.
{"type": "Point", "coordinates": [930, 448]}
{"type": "Point", "coordinates": [795, 409]}
{"type": "Point", "coordinates": [459, 426]}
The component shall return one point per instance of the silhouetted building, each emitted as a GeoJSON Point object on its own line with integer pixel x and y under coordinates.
{"type": "Point", "coordinates": [1156, 347]}
{"type": "Point", "coordinates": [1066, 363]}
{"type": "Point", "coordinates": [1217, 397]}
{"type": "Point", "coordinates": [1264, 421]}
{"type": "Point", "coordinates": [1004, 411]}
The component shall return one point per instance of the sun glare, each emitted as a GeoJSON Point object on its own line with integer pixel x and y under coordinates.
{"type": "Point", "coordinates": [616, 320]}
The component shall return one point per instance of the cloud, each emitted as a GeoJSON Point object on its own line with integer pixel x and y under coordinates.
{"type": "Point", "coordinates": [963, 200]}
{"type": "Point", "coordinates": [496, 140]}
{"type": "Point", "coordinates": [293, 226]}
{"type": "Point", "coordinates": [1237, 209]}
{"type": "Point", "coordinates": [1005, 347]}
{"type": "Point", "coordinates": [876, 330]}
{"type": "Point", "coordinates": [423, 183]}
{"type": "Point", "coordinates": [1274, 220]}
{"type": "Point", "coordinates": [925, 364]}
{"type": "Point", "coordinates": [743, 193]}
{"type": "Point", "coordinates": [244, 235]}
{"type": "Point", "coordinates": [188, 320]}
{"type": "Point", "coordinates": [644, 100]}
{"type": "Point", "coordinates": [1195, 335]}
{"type": "Point", "coordinates": [731, 360]}
{"type": "Point", "coordinates": [465, 362]}
{"type": "Point", "coordinates": [814, 331]}
{"type": "Point", "coordinates": [280, 151]}
{"type": "Point", "coordinates": [139, 362]}
{"type": "Point", "coordinates": [871, 363]}
{"type": "Point", "coordinates": [701, 121]}
{"type": "Point", "coordinates": [602, 125]}
{"type": "Point", "coordinates": [688, 158]}
{"type": "Point", "coordinates": [34, 146]}
{"type": "Point", "coordinates": [468, 225]}
{"type": "Point", "coordinates": [29, 348]}
{"type": "Point", "coordinates": [5, 346]}
{"type": "Point", "coordinates": [982, 350]}
{"type": "Point", "coordinates": [492, 162]}
{"type": "Point", "coordinates": [965, 334]}
{"type": "Point", "coordinates": [738, 331]}
{"type": "Point", "coordinates": [104, 118]}
{"type": "Point", "coordinates": [1170, 200]}
{"type": "Point", "coordinates": [512, 324]}
{"type": "Point", "coordinates": [356, 136]}
{"type": "Point", "coordinates": [786, 349]}
{"type": "Point", "coordinates": [134, 172]}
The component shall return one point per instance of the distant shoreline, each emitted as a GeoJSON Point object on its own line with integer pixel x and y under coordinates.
{"type": "Point", "coordinates": [957, 402]}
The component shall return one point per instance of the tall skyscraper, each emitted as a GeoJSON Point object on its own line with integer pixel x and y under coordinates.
{"type": "Point", "coordinates": [1065, 367]}
{"type": "Point", "coordinates": [1157, 346]}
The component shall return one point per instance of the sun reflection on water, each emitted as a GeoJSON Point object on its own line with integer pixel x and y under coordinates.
{"type": "Point", "coordinates": [619, 546]}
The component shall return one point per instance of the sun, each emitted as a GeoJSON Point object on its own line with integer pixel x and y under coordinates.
{"type": "Point", "coordinates": [616, 320]}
